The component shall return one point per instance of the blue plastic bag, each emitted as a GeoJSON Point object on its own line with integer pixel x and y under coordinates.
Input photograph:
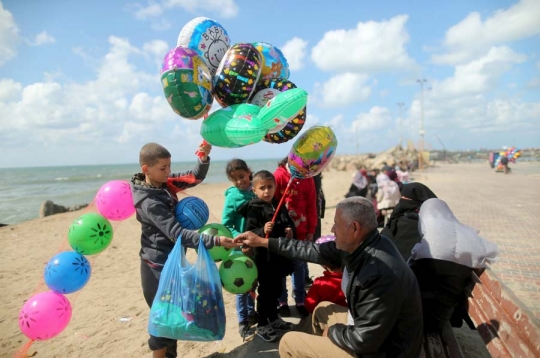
{"type": "Point", "coordinates": [189, 301]}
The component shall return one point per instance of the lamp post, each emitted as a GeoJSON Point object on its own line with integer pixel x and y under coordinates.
{"type": "Point", "coordinates": [400, 105]}
{"type": "Point", "coordinates": [421, 161]}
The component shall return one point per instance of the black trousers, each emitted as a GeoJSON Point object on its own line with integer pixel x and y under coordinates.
{"type": "Point", "coordinates": [150, 281]}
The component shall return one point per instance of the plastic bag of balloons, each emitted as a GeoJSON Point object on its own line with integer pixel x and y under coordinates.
{"type": "Point", "coordinates": [206, 37]}
{"type": "Point", "coordinates": [187, 83]}
{"type": "Point", "coordinates": [312, 152]}
{"type": "Point", "coordinates": [189, 301]}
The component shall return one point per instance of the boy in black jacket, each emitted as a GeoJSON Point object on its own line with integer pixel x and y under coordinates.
{"type": "Point", "coordinates": [271, 267]}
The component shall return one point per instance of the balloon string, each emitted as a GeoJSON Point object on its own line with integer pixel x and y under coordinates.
{"type": "Point", "coordinates": [23, 351]}
{"type": "Point", "coordinates": [281, 202]}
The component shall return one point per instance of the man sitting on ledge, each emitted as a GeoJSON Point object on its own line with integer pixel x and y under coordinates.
{"type": "Point", "coordinates": [384, 315]}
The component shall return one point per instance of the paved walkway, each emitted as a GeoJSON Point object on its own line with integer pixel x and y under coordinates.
{"type": "Point", "coordinates": [506, 210]}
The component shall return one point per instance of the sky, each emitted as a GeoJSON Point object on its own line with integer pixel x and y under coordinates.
{"type": "Point", "coordinates": [80, 81]}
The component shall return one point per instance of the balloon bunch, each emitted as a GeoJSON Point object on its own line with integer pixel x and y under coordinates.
{"type": "Point", "coordinates": [511, 153]}
{"type": "Point", "coordinates": [46, 314]}
{"type": "Point", "coordinates": [249, 80]}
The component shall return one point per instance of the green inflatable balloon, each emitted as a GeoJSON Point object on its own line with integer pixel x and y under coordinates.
{"type": "Point", "coordinates": [282, 108]}
{"type": "Point", "coordinates": [217, 253]}
{"type": "Point", "coordinates": [90, 234]}
{"type": "Point", "coordinates": [234, 126]}
{"type": "Point", "coordinates": [238, 274]}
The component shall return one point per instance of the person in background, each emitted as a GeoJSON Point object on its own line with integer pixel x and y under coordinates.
{"type": "Point", "coordinates": [360, 184]}
{"type": "Point", "coordinates": [154, 199]}
{"type": "Point", "coordinates": [402, 227]}
{"type": "Point", "coordinates": [383, 315]}
{"type": "Point", "coordinates": [301, 202]}
{"type": "Point", "coordinates": [443, 262]}
{"type": "Point", "coordinates": [388, 193]}
{"type": "Point", "coordinates": [326, 288]}
{"type": "Point", "coordinates": [321, 206]}
{"type": "Point", "coordinates": [271, 268]}
{"type": "Point", "coordinates": [237, 195]}
{"type": "Point", "coordinates": [504, 163]}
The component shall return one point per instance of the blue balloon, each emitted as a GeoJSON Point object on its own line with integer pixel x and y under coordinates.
{"type": "Point", "coordinates": [192, 213]}
{"type": "Point", "coordinates": [67, 272]}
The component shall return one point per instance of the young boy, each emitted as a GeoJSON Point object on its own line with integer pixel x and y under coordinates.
{"type": "Point", "coordinates": [155, 203]}
{"type": "Point", "coordinates": [271, 267]}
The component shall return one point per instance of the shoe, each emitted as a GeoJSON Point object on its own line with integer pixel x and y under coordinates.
{"type": "Point", "coordinates": [302, 311]}
{"type": "Point", "coordinates": [284, 311]}
{"type": "Point", "coordinates": [253, 318]}
{"type": "Point", "coordinates": [244, 328]}
{"type": "Point", "coordinates": [267, 333]}
{"type": "Point", "coordinates": [281, 325]}
{"type": "Point", "coordinates": [309, 281]}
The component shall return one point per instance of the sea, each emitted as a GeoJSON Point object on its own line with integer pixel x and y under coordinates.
{"type": "Point", "coordinates": [23, 190]}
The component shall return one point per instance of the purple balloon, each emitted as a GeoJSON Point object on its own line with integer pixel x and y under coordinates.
{"type": "Point", "coordinates": [178, 58]}
{"type": "Point", "coordinates": [324, 239]}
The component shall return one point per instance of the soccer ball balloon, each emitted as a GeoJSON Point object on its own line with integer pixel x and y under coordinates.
{"type": "Point", "coordinates": [238, 274]}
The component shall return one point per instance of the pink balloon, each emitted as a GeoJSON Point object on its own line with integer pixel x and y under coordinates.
{"type": "Point", "coordinates": [114, 200]}
{"type": "Point", "coordinates": [44, 315]}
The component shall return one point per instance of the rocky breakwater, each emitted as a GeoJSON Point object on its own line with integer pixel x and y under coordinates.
{"type": "Point", "coordinates": [391, 157]}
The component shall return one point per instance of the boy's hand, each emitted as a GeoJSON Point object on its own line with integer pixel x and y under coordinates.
{"type": "Point", "coordinates": [309, 237]}
{"type": "Point", "coordinates": [228, 243]}
{"type": "Point", "coordinates": [204, 150]}
{"type": "Point", "coordinates": [288, 233]}
{"type": "Point", "coordinates": [268, 227]}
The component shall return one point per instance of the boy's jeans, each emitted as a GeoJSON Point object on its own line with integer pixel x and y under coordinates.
{"type": "Point", "coordinates": [298, 284]}
{"type": "Point", "coordinates": [245, 305]}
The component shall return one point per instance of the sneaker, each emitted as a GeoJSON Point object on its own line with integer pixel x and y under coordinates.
{"type": "Point", "coordinates": [253, 318]}
{"type": "Point", "coordinates": [281, 325]}
{"type": "Point", "coordinates": [309, 281]}
{"type": "Point", "coordinates": [244, 328]}
{"type": "Point", "coordinates": [302, 311]}
{"type": "Point", "coordinates": [267, 333]}
{"type": "Point", "coordinates": [284, 311]}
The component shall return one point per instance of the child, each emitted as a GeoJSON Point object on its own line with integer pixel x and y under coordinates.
{"type": "Point", "coordinates": [155, 204]}
{"type": "Point", "coordinates": [271, 267]}
{"type": "Point", "coordinates": [235, 196]}
{"type": "Point", "coordinates": [326, 288]}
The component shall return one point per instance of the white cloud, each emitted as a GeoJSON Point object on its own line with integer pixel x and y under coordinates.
{"type": "Point", "coordinates": [480, 75]}
{"type": "Point", "coordinates": [154, 10]}
{"type": "Point", "coordinates": [42, 38]}
{"type": "Point", "coordinates": [151, 10]}
{"type": "Point", "coordinates": [370, 47]}
{"type": "Point", "coordinates": [9, 90]}
{"type": "Point", "coordinates": [377, 118]}
{"type": "Point", "coordinates": [342, 90]}
{"type": "Point", "coordinates": [9, 35]}
{"type": "Point", "coordinates": [295, 53]}
{"type": "Point", "coordinates": [472, 36]}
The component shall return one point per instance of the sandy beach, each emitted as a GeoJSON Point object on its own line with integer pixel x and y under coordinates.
{"type": "Point", "coordinates": [109, 313]}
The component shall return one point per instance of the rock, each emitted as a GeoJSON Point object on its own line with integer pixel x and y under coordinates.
{"type": "Point", "coordinates": [49, 208]}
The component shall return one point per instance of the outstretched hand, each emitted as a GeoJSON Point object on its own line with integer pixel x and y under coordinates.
{"type": "Point", "coordinates": [228, 243]}
{"type": "Point", "coordinates": [251, 239]}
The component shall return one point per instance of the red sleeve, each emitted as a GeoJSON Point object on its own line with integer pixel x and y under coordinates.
{"type": "Point", "coordinates": [282, 179]}
{"type": "Point", "coordinates": [311, 205]}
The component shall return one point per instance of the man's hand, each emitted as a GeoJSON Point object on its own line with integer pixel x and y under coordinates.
{"type": "Point", "coordinates": [228, 243]}
{"type": "Point", "coordinates": [251, 239]}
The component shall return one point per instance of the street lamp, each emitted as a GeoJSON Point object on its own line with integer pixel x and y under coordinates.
{"type": "Point", "coordinates": [400, 105]}
{"type": "Point", "coordinates": [421, 161]}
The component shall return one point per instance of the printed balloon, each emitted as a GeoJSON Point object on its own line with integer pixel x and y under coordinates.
{"type": "Point", "coordinates": [90, 234]}
{"type": "Point", "coordinates": [114, 200]}
{"type": "Point", "coordinates": [274, 63]}
{"type": "Point", "coordinates": [237, 74]}
{"type": "Point", "coordinates": [265, 91]}
{"type": "Point", "coordinates": [67, 272]}
{"type": "Point", "coordinates": [187, 83]}
{"type": "Point", "coordinates": [278, 111]}
{"type": "Point", "coordinates": [217, 253]}
{"type": "Point", "coordinates": [233, 126]}
{"type": "Point", "coordinates": [208, 38]}
{"type": "Point", "coordinates": [312, 152]}
{"type": "Point", "coordinates": [44, 316]}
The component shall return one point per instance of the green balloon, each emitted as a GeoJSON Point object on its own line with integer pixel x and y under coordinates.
{"type": "Point", "coordinates": [186, 97]}
{"type": "Point", "coordinates": [217, 253]}
{"type": "Point", "coordinates": [90, 234]}
{"type": "Point", "coordinates": [238, 274]}
{"type": "Point", "coordinates": [234, 126]}
{"type": "Point", "coordinates": [284, 107]}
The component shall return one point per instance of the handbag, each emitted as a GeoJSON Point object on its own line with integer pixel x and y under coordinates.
{"type": "Point", "coordinates": [189, 301]}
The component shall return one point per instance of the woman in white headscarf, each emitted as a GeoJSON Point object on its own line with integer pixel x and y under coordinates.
{"type": "Point", "coordinates": [388, 194]}
{"type": "Point", "coordinates": [443, 262]}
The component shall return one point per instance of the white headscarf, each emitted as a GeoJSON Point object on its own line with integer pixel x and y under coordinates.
{"type": "Point", "coordinates": [445, 238]}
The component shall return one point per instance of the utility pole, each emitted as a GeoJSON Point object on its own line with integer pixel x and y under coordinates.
{"type": "Point", "coordinates": [400, 105]}
{"type": "Point", "coordinates": [421, 161]}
